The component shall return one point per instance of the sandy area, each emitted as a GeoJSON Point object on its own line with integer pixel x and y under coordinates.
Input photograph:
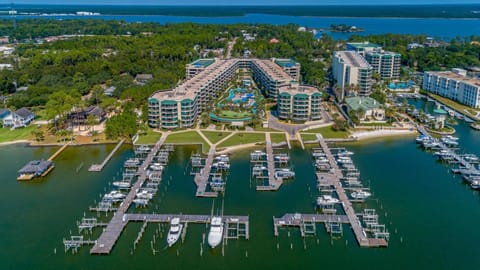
{"type": "Point", "coordinates": [363, 135]}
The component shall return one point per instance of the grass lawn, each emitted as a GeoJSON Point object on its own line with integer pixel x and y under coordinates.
{"type": "Point", "coordinates": [151, 137]}
{"type": "Point", "coordinates": [243, 138]}
{"type": "Point", "coordinates": [278, 137]}
{"type": "Point", "coordinates": [189, 137]}
{"type": "Point", "coordinates": [7, 135]}
{"type": "Point", "coordinates": [462, 108]}
{"type": "Point", "coordinates": [309, 137]}
{"type": "Point", "coordinates": [329, 133]}
{"type": "Point", "coordinates": [215, 136]}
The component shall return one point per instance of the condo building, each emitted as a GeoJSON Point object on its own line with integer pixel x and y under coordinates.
{"type": "Point", "coordinates": [291, 67]}
{"type": "Point", "coordinates": [351, 70]}
{"type": "Point", "coordinates": [299, 102]}
{"type": "Point", "coordinates": [206, 79]}
{"type": "Point", "coordinates": [362, 48]}
{"type": "Point", "coordinates": [385, 63]}
{"type": "Point", "coordinates": [454, 85]}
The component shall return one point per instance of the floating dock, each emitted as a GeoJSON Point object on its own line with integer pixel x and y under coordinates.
{"type": "Point", "coordinates": [333, 178]}
{"type": "Point", "coordinates": [99, 167]}
{"type": "Point", "coordinates": [273, 184]}
{"type": "Point", "coordinates": [109, 237]}
{"type": "Point", "coordinates": [201, 178]}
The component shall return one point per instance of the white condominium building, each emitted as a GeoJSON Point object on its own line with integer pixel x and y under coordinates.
{"type": "Point", "coordinates": [387, 64]}
{"type": "Point", "coordinates": [454, 85]}
{"type": "Point", "coordinates": [351, 70]}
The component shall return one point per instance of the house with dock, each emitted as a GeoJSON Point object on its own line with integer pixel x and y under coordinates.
{"type": "Point", "coordinates": [18, 119]}
{"type": "Point", "coordinates": [79, 117]}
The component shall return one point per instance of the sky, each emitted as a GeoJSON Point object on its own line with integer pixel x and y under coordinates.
{"type": "Point", "coordinates": [239, 2]}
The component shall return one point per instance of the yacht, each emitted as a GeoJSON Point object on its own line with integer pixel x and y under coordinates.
{"type": "Point", "coordinates": [471, 158]}
{"type": "Point", "coordinates": [319, 154]}
{"type": "Point", "coordinates": [284, 173]}
{"type": "Point", "coordinates": [475, 184]}
{"type": "Point", "coordinates": [143, 194]}
{"type": "Point", "coordinates": [344, 153]}
{"type": "Point", "coordinates": [422, 138]}
{"type": "Point", "coordinates": [344, 160]}
{"type": "Point", "coordinates": [174, 232]}
{"type": "Point", "coordinates": [450, 137]}
{"type": "Point", "coordinates": [121, 184]}
{"type": "Point", "coordinates": [140, 202]}
{"type": "Point", "coordinates": [115, 195]}
{"type": "Point", "coordinates": [282, 158]}
{"type": "Point", "coordinates": [156, 167]}
{"type": "Point", "coordinates": [215, 234]}
{"type": "Point", "coordinates": [217, 184]}
{"type": "Point", "coordinates": [221, 165]}
{"type": "Point", "coordinates": [326, 200]}
{"type": "Point", "coordinates": [360, 194]}
{"type": "Point", "coordinates": [222, 158]}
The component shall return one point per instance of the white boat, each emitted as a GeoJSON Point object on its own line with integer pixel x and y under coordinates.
{"type": "Point", "coordinates": [326, 200]}
{"type": "Point", "coordinates": [156, 167]}
{"type": "Point", "coordinates": [217, 184]}
{"type": "Point", "coordinates": [282, 158]}
{"type": "Point", "coordinates": [221, 165]}
{"type": "Point", "coordinates": [215, 234]}
{"type": "Point", "coordinates": [344, 160]}
{"type": "Point", "coordinates": [222, 158]}
{"type": "Point", "coordinates": [121, 184]}
{"type": "Point", "coordinates": [174, 232]}
{"type": "Point", "coordinates": [115, 195]}
{"type": "Point", "coordinates": [360, 194]}
{"type": "Point", "coordinates": [144, 195]}
{"type": "Point", "coordinates": [450, 137]}
{"type": "Point", "coordinates": [345, 153]}
{"type": "Point", "coordinates": [475, 184]}
{"type": "Point", "coordinates": [284, 173]}
{"type": "Point", "coordinates": [140, 202]}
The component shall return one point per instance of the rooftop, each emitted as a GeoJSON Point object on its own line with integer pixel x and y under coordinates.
{"type": "Point", "coordinates": [203, 62]}
{"type": "Point", "coordinates": [285, 62]}
{"type": "Point", "coordinates": [295, 88]}
{"type": "Point", "coordinates": [35, 167]}
{"type": "Point", "coordinates": [457, 77]}
{"type": "Point", "coordinates": [23, 112]}
{"type": "Point", "coordinates": [352, 58]}
{"type": "Point", "coordinates": [364, 44]}
{"type": "Point", "coordinates": [366, 103]}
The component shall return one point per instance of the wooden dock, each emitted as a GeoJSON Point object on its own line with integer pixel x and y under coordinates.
{"type": "Point", "coordinates": [52, 157]}
{"type": "Point", "coordinates": [334, 177]}
{"type": "Point", "coordinates": [201, 178]}
{"type": "Point", "coordinates": [109, 237]}
{"type": "Point", "coordinates": [99, 167]}
{"type": "Point", "coordinates": [273, 184]}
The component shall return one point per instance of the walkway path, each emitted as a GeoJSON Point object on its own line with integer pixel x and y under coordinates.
{"type": "Point", "coordinates": [99, 167]}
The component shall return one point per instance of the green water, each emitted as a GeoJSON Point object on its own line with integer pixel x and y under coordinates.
{"type": "Point", "coordinates": [433, 217]}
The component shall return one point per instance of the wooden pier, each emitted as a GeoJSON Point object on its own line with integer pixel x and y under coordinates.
{"type": "Point", "coordinates": [52, 157]}
{"type": "Point", "coordinates": [334, 178]}
{"type": "Point", "coordinates": [273, 183]}
{"type": "Point", "coordinates": [201, 178]}
{"type": "Point", "coordinates": [99, 167]}
{"type": "Point", "coordinates": [109, 237]}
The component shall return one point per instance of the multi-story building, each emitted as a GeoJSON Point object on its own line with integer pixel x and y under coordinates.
{"type": "Point", "coordinates": [362, 47]}
{"type": "Point", "coordinates": [180, 106]}
{"type": "Point", "coordinates": [454, 85]}
{"type": "Point", "coordinates": [299, 102]}
{"type": "Point", "coordinates": [387, 64]}
{"type": "Point", "coordinates": [291, 67]}
{"type": "Point", "coordinates": [198, 66]}
{"type": "Point", "coordinates": [351, 70]}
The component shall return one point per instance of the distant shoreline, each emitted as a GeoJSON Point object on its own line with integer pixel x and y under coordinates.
{"type": "Point", "coordinates": [436, 11]}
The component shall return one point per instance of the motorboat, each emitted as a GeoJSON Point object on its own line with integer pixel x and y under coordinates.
{"type": "Point", "coordinates": [475, 184]}
{"type": "Point", "coordinates": [345, 153]}
{"type": "Point", "coordinates": [344, 160]}
{"type": "Point", "coordinates": [221, 165]}
{"type": "Point", "coordinates": [174, 232]}
{"type": "Point", "coordinates": [217, 184]}
{"type": "Point", "coordinates": [156, 167]}
{"type": "Point", "coordinates": [326, 200]}
{"type": "Point", "coordinates": [449, 143]}
{"type": "Point", "coordinates": [222, 158]}
{"type": "Point", "coordinates": [143, 194]}
{"type": "Point", "coordinates": [282, 158]}
{"type": "Point", "coordinates": [114, 195]}
{"type": "Point", "coordinates": [422, 138]}
{"type": "Point", "coordinates": [284, 173]}
{"type": "Point", "coordinates": [257, 155]}
{"type": "Point", "coordinates": [471, 158]}
{"type": "Point", "coordinates": [450, 137]}
{"type": "Point", "coordinates": [215, 234]}
{"type": "Point", "coordinates": [121, 184]}
{"type": "Point", "coordinates": [318, 154]}
{"type": "Point", "coordinates": [140, 202]}
{"type": "Point", "coordinates": [360, 195]}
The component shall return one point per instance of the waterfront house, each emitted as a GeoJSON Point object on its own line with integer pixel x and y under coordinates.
{"type": "Point", "coordinates": [79, 117]}
{"type": "Point", "coordinates": [367, 107]}
{"type": "Point", "coordinates": [20, 118]}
